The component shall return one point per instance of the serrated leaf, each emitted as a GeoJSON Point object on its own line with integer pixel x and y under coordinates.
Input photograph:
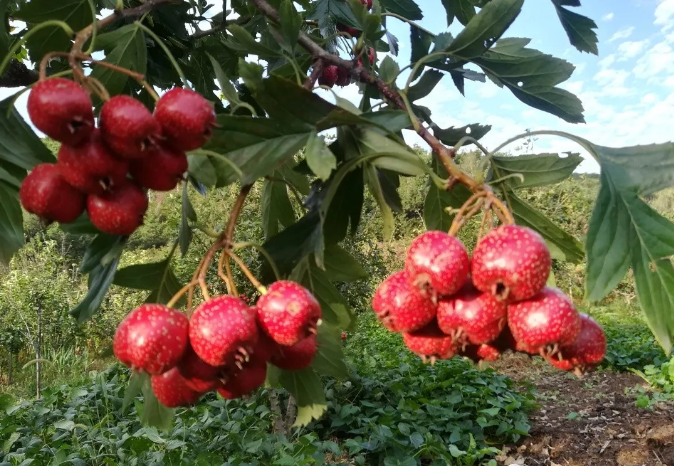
{"type": "Point", "coordinates": [463, 10]}
{"type": "Point", "coordinates": [11, 223]}
{"type": "Point", "coordinates": [485, 28]}
{"type": "Point", "coordinates": [579, 29]}
{"type": "Point", "coordinates": [340, 266]}
{"type": "Point", "coordinates": [157, 277]}
{"type": "Point", "coordinates": [291, 22]}
{"type": "Point", "coordinates": [154, 413]}
{"type": "Point", "coordinates": [537, 169]}
{"type": "Point", "coordinates": [424, 85]}
{"type": "Point", "coordinates": [276, 207]}
{"type": "Point", "coordinates": [19, 145]}
{"type": "Point", "coordinates": [388, 70]}
{"type": "Point", "coordinates": [124, 47]}
{"type": "Point", "coordinates": [329, 12]}
{"type": "Point", "coordinates": [421, 44]}
{"type": "Point", "coordinates": [306, 388]}
{"type": "Point", "coordinates": [320, 159]}
{"type": "Point", "coordinates": [405, 8]}
{"type": "Point", "coordinates": [451, 136]}
{"type": "Point", "coordinates": [329, 359]}
{"type": "Point", "coordinates": [243, 41]}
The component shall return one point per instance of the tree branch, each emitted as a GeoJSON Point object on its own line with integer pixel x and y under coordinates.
{"type": "Point", "coordinates": [443, 153]}
{"type": "Point", "coordinates": [315, 74]}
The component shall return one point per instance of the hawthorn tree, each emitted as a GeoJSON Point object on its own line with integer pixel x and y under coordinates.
{"type": "Point", "coordinates": [258, 63]}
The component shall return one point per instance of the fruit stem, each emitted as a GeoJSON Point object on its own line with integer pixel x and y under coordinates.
{"type": "Point", "coordinates": [234, 215]}
{"type": "Point", "coordinates": [176, 297]}
{"type": "Point", "coordinates": [168, 53]}
{"type": "Point", "coordinates": [228, 278]}
{"type": "Point", "coordinates": [98, 88]}
{"type": "Point", "coordinates": [315, 73]}
{"type": "Point", "coordinates": [254, 281]}
{"type": "Point", "coordinates": [262, 251]}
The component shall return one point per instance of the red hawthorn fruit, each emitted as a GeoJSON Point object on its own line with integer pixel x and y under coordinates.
{"type": "Point", "coordinates": [62, 110]}
{"type": "Point", "coordinates": [430, 342]}
{"type": "Point", "coordinates": [199, 375]}
{"type": "Point", "coordinates": [329, 76]}
{"type": "Point", "coordinates": [586, 352]}
{"type": "Point", "coordinates": [288, 312]}
{"type": "Point", "coordinates": [371, 55]}
{"type": "Point", "coordinates": [479, 353]}
{"type": "Point", "coordinates": [128, 127]}
{"type": "Point", "coordinates": [46, 194]}
{"type": "Point", "coordinates": [264, 349]}
{"type": "Point", "coordinates": [511, 262]}
{"type": "Point", "coordinates": [223, 331]}
{"type": "Point", "coordinates": [472, 315]}
{"type": "Point", "coordinates": [353, 32]}
{"type": "Point", "coordinates": [400, 307]}
{"type": "Point", "coordinates": [161, 170]}
{"type": "Point", "coordinates": [544, 322]}
{"type": "Point", "coordinates": [437, 264]}
{"type": "Point", "coordinates": [172, 391]}
{"type": "Point", "coordinates": [343, 78]}
{"type": "Point", "coordinates": [152, 339]}
{"type": "Point", "coordinates": [91, 167]}
{"type": "Point", "coordinates": [250, 378]}
{"type": "Point", "coordinates": [186, 118]}
{"type": "Point", "coordinates": [296, 357]}
{"type": "Point", "coordinates": [367, 3]}
{"type": "Point", "coordinates": [120, 211]}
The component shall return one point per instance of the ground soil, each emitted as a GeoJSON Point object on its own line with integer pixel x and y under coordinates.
{"type": "Point", "coordinates": [588, 422]}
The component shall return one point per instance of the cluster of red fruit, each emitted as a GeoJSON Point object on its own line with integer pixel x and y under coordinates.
{"type": "Point", "coordinates": [445, 303]}
{"type": "Point", "coordinates": [224, 346]}
{"type": "Point", "coordinates": [94, 163]}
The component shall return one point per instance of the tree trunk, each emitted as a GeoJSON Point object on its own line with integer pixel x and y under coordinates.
{"type": "Point", "coordinates": [38, 354]}
{"type": "Point", "coordinates": [279, 426]}
{"type": "Point", "coordinates": [10, 369]}
{"type": "Point", "coordinates": [291, 412]}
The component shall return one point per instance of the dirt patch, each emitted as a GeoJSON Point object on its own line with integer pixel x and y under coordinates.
{"type": "Point", "coordinates": [588, 422]}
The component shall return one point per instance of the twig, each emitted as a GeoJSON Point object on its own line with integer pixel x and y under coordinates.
{"type": "Point", "coordinates": [315, 74]}
{"type": "Point", "coordinates": [244, 268]}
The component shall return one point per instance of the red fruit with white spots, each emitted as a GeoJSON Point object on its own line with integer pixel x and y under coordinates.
{"type": "Point", "coordinates": [472, 315]}
{"type": "Point", "coordinates": [296, 357]}
{"type": "Point", "coordinates": [329, 76]}
{"type": "Point", "coordinates": [223, 331]}
{"type": "Point", "coordinates": [186, 119]}
{"type": "Point", "coordinates": [353, 32]}
{"type": "Point", "coordinates": [46, 194]}
{"type": "Point", "coordinates": [264, 349]}
{"type": "Point", "coordinates": [511, 262]}
{"type": "Point", "coordinates": [437, 264]}
{"type": "Point", "coordinates": [128, 127]}
{"type": "Point", "coordinates": [152, 339]}
{"type": "Point", "coordinates": [479, 353]}
{"type": "Point", "coordinates": [250, 378]}
{"type": "Point", "coordinates": [343, 77]}
{"type": "Point", "coordinates": [586, 352]}
{"type": "Point", "coordinates": [161, 170]}
{"type": "Point", "coordinates": [371, 55]}
{"type": "Point", "coordinates": [400, 307]}
{"type": "Point", "coordinates": [172, 391]}
{"type": "Point", "coordinates": [91, 167]}
{"type": "Point", "coordinates": [62, 110]}
{"type": "Point", "coordinates": [288, 312]}
{"type": "Point", "coordinates": [199, 375]}
{"type": "Point", "coordinates": [430, 342]}
{"type": "Point", "coordinates": [120, 211]}
{"type": "Point", "coordinates": [544, 322]}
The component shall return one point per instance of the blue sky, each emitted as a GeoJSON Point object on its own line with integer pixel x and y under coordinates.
{"type": "Point", "coordinates": [627, 91]}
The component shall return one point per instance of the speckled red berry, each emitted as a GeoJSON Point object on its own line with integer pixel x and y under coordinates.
{"type": "Point", "coordinates": [223, 331]}
{"type": "Point", "coordinates": [400, 307]}
{"type": "Point", "coordinates": [437, 264]}
{"type": "Point", "coordinates": [62, 110]}
{"type": "Point", "coordinates": [329, 76]}
{"type": "Point", "coordinates": [288, 312]}
{"type": "Point", "coordinates": [586, 352]}
{"type": "Point", "coordinates": [199, 375]}
{"type": "Point", "coordinates": [371, 55]}
{"type": "Point", "coordinates": [152, 338]}
{"type": "Point", "coordinates": [91, 167]}
{"type": "Point", "coordinates": [119, 211]}
{"type": "Point", "coordinates": [511, 262]}
{"type": "Point", "coordinates": [544, 322]}
{"type": "Point", "coordinates": [46, 194]}
{"type": "Point", "coordinates": [296, 357]}
{"type": "Point", "coordinates": [186, 119]}
{"type": "Point", "coordinates": [250, 378]}
{"type": "Point", "coordinates": [430, 342]}
{"type": "Point", "coordinates": [161, 170]}
{"type": "Point", "coordinates": [128, 127]}
{"type": "Point", "coordinates": [172, 391]}
{"type": "Point", "coordinates": [353, 32]}
{"type": "Point", "coordinates": [343, 77]}
{"type": "Point", "coordinates": [478, 353]}
{"type": "Point", "coordinates": [264, 349]}
{"type": "Point", "coordinates": [472, 315]}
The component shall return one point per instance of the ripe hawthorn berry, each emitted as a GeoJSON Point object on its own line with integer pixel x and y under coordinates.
{"type": "Point", "coordinates": [329, 76]}
{"type": "Point", "coordinates": [586, 352]}
{"type": "Point", "coordinates": [250, 378]}
{"type": "Point", "coordinates": [437, 264]}
{"type": "Point", "coordinates": [128, 127]}
{"type": "Point", "coordinates": [511, 262]}
{"type": "Point", "coordinates": [343, 78]}
{"type": "Point", "coordinates": [161, 170]}
{"type": "Point", "coordinates": [223, 331]}
{"type": "Point", "coordinates": [186, 119]}
{"type": "Point", "coordinates": [430, 342]}
{"type": "Point", "coordinates": [400, 307]}
{"type": "Point", "coordinates": [199, 375]}
{"type": "Point", "coordinates": [296, 357]}
{"type": "Point", "coordinates": [119, 211]}
{"type": "Point", "coordinates": [91, 167]}
{"type": "Point", "coordinates": [46, 194]}
{"type": "Point", "coordinates": [172, 391]}
{"type": "Point", "coordinates": [545, 322]}
{"type": "Point", "coordinates": [152, 339]}
{"type": "Point", "coordinates": [288, 312]}
{"type": "Point", "coordinates": [62, 110]}
{"type": "Point", "coordinates": [353, 32]}
{"type": "Point", "coordinates": [265, 347]}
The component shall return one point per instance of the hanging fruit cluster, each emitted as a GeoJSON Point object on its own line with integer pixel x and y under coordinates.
{"type": "Point", "coordinates": [446, 304]}
{"type": "Point", "coordinates": [224, 346]}
{"type": "Point", "coordinates": [106, 170]}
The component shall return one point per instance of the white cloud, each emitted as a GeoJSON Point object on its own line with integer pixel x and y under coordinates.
{"type": "Point", "coordinates": [622, 34]}
{"type": "Point", "coordinates": [664, 14]}
{"type": "Point", "coordinates": [607, 17]}
{"type": "Point", "coordinates": [574, 87]}
{"type": "Point", "coordinates": [607, 61]}
{"type": "Point", "coordinates": [610, 77]}
{"type": "Point", "coordinates": [649, 98]}
{"type": "Point", "coordinates": [656, 60]}
{"type": "Point", "coordinates": [628, 50]}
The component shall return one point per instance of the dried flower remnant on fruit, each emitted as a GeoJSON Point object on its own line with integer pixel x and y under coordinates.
{"type": "Point", "coordinates": [400, 307]}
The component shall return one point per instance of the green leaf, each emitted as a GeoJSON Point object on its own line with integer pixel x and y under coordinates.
{"type": "Point", "coordinates": [345, 208]}
{"type": "Point", "coordinates": [202, 169]}
{"type": "Point", "coordinates": [188, 214]}
{"type": "Point", "coordinates": [329, 359]}
{"type": "Point", "coordinates": [19, 145]}
{"type": "Point", "coordinates": [81, 226]}
{"type": "Point", "coordinates": [378, 194]}
{"type": "Point", "coordinates": [4, 33]}
{"type": "Point", "coordinates": [463, 10]}
{"type": "Point", "coordinates": [136, 383]}
{"type": "Point", "coordinates": [328, 12]}
{"type": "Point", "coordinates": [405, 8]}
{"type": "Point", "coordinates": [579, 28]}
{"type": "Point", "coordinates": [124, 47]}
{"type": "Point", "coordinates": [437, 201]}
{"type": "Point", "coordinates": [243, 41]}
{"type": "Point", "coordinates": [398, 157]}
{"type": "Point", "coordinates": [537, 170]}
{"type": "Point", "coordinates": [340, 266]}
{"type": "Point", "coordinates": [101, 250]}
{"type": "Point", "coordinates": [424, 85]}
{"type": "Point", "coordinates": [306, 388]}
{"type": "Point", "coordinates": [421, 44]}
{"type": "Point", "coordinates": [157, 277]}
{"type": "Point", "coordinates": [485, 28]}
{"type": "Point", "coordinates": [154, 413]}
{"type": "Point", "coordinates": [390, 182]}
{"type": "Point", "coordinates": [388, 70]}
{"type": "Point", "coordinates": [291, 22]}
{"type": "Point", "coordinates": [320, 159]}
{"type": "Point", "coordinates": [226, 86]}
{"type": "Point", "coordinates": [562, 245]}
{"type": "Point", "coordinates": [393, 120]}
{"type": "Point", "coordinates": [100, 279]}
{"type": "Point", "coordinates": [451, 136]}
{"type": "Point", "coordinates": [276, 206]}
{"type": "Point", "coordinates": [11, 223]}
